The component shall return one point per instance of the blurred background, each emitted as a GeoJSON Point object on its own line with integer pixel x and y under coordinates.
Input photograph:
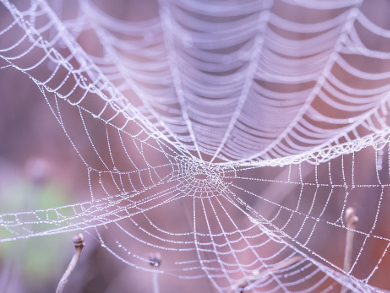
{"type": "Point", "coordinates": [40, 169]}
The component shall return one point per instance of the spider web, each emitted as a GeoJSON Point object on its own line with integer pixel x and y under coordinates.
{"type": "Point", "coordinates": [232, 135]}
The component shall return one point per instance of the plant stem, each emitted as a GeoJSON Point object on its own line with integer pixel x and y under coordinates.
{"type": "Point", "coordinates": [351, 220]}
{"type": "Point", "coordinates": [78, 247]}
{"type": "Point", "coordinates": [245, 282]}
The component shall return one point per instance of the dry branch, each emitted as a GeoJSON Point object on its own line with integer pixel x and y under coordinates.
{"type": "Point", "coordinates": [351, 220]}
{"type": "Point", "coordinates": [256, 275]}
{"type": "Point", "coordinates": [78, 247]}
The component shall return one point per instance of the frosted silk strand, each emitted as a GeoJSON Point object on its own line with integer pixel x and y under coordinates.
{"type": "Point", "coordinates": [234, 136]}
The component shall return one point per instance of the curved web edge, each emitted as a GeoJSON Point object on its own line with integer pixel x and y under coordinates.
{"type": "Point", "coordinates": [330, 91]}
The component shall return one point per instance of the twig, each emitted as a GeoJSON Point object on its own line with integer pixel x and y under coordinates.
{"type": "Point", "coordinates": [256, 275]}
{"type": "Point", "coordinates": [78, 247]}
{"type": "Point", "coordinates": [155, 261]}
{"type": "Point", "coordinates": [351, 220]}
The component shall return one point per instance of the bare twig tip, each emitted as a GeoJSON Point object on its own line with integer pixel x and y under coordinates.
{"type": "Point", "coordinates": [350, 218]}
{"type": "Point", "coordinates": [78, 240]}
{"type": "Point", "coordinates": [155, 259]}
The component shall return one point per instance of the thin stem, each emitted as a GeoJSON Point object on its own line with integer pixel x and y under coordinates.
{"type": "Point", "coordinates": [155, 261]}
{"type": "Point", "coordinates": [155, 283]}
{"type": "Point", "coordinates": [351, 220]}
{"type": "Point", "coordinates": [256, 275]}
{"type": "Point", "coordinates": [78, 247]}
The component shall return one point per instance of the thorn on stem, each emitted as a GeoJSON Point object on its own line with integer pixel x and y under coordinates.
{"type": "Point", "coordinates": [79, 244]}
